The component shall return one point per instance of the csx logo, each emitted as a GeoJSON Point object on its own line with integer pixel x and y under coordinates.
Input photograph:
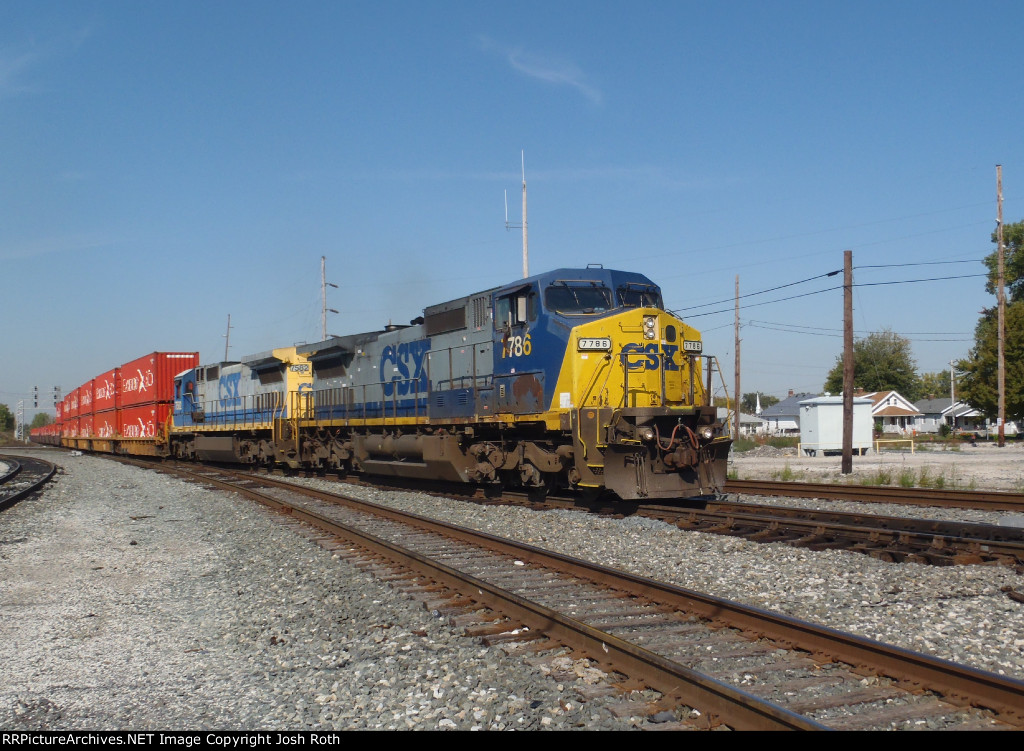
{"type": "Point", "coordinates": [650, 356]}
{"type": "Point", "coordinates": [227, 389]}
{"type": "Point", "coordinates": [406, 363]}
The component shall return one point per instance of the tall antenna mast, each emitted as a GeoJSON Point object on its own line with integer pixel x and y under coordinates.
{"type": "Point", "coordinates": [324, 284]}
{"type": "Point", "coordinates": [526, 252]}
{"type": "Point", "coordinates": [227, 339]}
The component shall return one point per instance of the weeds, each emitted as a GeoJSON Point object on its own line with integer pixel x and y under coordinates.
{"type": "Point", "coordinates": [922, 478]}
{"type": "Point", "coordinates": [907, 478]}
{"type": "Point", "coordinates": [881, 477]}
{"type": "Point", "coordinates": [788, 474]}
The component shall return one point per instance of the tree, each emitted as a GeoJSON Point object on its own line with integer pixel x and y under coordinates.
{"type": "Point", "coordinates": [6, 418]}
{"type": "Point", "coordinates": [1013, 262]}
{"type": "Point", "coordinates": [40, 420]}
{"type": "Point", "coordinates": [934, 385]}
{"type": "Point", "coordinates": [977, 373]}
{"type": "Point", "coordinates": [749, 402]}
{"type": "Point", "coordinates": [881, 361]}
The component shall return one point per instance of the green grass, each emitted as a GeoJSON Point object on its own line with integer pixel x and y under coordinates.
{"type": "Point", "coordinates": [788, 474]}
{"type": "Point", "coordinates": [779, 442]}
{"type": "Point", "coordinates": [743, 444]}
{"type": "Point", "coordinates": [880, 477]}
{"type": "Point", "coordinates": [924, 477]}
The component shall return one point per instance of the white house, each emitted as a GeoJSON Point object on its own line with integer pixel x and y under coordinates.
{"type": "Point", "coordinates": [895, 413]}
{"type": "Point", "coordinates": [749, 424]}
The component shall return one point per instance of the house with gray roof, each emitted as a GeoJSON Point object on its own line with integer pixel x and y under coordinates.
{"type": "Point", "coordinates": [784, 418]}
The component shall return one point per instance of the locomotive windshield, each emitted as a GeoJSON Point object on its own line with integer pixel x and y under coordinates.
{"type": "Point", "coordinates": [639, 296]}
{"type": "Point", "coordinates": [577, 299]}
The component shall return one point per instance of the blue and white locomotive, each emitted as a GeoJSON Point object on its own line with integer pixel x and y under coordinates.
{"type": "Point", "coordinates": [571, 378]}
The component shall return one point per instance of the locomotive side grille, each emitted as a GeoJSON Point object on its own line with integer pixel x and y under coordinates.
{"type": "Point", "coordinates": [479, 313]}
{"type": "Point", "coordinates": [449, 320]}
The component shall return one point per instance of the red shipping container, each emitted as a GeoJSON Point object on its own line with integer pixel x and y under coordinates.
{"type": "Point", "coordinates": [71, 428]}
{"type": "Point", "coordinates": [85, 396]}
{"type": "Point", "coordinates": [71, 404]}
{"type": "Point", "coordinates": [105, 391]}
{"type": "Point", "coordinates": [85, 426]}
{"type": "Point", "coordinates": [60, 412]}
{"type": "Point", "coordinates": [151, 378]}
{"type": "Point", "coordinates": [104, 424]}
{"type": "Point", "coordinates": [143, 421]}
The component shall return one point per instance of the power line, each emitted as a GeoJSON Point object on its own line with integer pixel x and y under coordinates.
{"type": "Point", "coordinates": [761, 292]}
{"type": "Point", "coordinates": [767, 302]}
{"type": "Point", "coordinates": [915, 281]}
{"type": "Point", "coordinates": [678, 311]}
{"type": "Point", "coordinates": [921, 263]}
{"type": "Point", "coordinates": [762, 324]}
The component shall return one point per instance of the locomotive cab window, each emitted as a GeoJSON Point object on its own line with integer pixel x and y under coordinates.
{"type": "Point", "coordinates": [639, 296]}
{"type": "Point", "coordinates": [578, 298]}
{"type": "Point", "coordinates": [516, 309]}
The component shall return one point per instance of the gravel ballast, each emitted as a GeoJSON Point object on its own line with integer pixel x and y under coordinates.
{"type": "Point", "coordinates": [133, 600]}
{"type": "Point", "coordinates": [130, 600]}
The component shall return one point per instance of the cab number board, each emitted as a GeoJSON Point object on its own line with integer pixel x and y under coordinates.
{"type": "Point", "coordinates": [594, 344]}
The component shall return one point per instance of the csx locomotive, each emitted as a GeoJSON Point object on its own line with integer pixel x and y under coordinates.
{"type": "Point", "coordinates": [573, 378]}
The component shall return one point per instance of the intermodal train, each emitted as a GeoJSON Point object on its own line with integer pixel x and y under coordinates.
{"type": "Point", "coordinates": [574, 378]}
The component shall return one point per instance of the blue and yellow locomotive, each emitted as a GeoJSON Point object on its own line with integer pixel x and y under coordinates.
{"type": "Point", "coordinates": [572, 378]}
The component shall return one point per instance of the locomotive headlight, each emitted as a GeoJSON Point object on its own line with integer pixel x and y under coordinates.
{"type": "Point", "coordinates": [707, 433]}
{"type": "Point", "coordinates": [645, 433]}
{"type": "Point", "coordinates": [650, 327]}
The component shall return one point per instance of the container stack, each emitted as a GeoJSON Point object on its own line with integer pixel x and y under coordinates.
{"type": "Point", "coordinates": [123, 410]}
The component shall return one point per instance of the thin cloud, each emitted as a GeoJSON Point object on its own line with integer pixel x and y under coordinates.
{"type": "Point", "coordinates": [545, 68]}
{"type": "Point", "coordinates": [18, 61]}
{"type": "Point", "coordinates": [13, 65]}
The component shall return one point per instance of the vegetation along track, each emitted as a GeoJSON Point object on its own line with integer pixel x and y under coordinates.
{"type": "Point", "coordinates": [24, 475]}
{"type": "Point", "coordinates": [747, 668]}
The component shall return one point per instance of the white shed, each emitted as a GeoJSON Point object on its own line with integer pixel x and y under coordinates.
{"type": "Point", "coordinates": [821, 425]}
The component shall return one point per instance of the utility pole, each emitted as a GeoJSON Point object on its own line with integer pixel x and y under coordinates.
{"type": "Point", "coordinates": [1001, 334]}
{"type": "Point", "coordinates": [847, 463]}
{"type": "Point", "coordinates": [952, 385]}
{"type": "Point", "coordinates": [736, 431]}
{"type": "Point", "coordinates": [324, 284]}
{"type": "Point", "coordinates": [227, 339]}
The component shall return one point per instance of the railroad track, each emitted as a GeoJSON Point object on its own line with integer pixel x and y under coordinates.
{"type": "Point", "coordinates": [889, 538]}
{"type": "Point", "coordinates": [742, 667]}
{"type": "Point", "coordinates": [23, 477]}
{"type": "Point", "coordinates": [985, 500]}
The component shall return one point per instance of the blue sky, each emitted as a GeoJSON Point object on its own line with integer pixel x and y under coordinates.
{"type": "Point", "coordinates": [164, 165]}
